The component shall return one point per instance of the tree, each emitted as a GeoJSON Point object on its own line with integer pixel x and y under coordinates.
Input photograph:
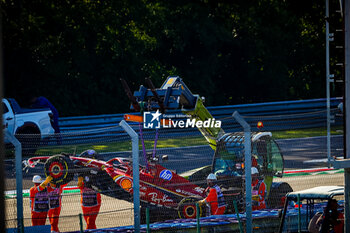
{"type": "Point", "coordinates": [230, 52]}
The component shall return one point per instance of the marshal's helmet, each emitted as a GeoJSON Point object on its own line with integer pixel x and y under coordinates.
{"type": "Point", "coordinates": [92, 154]}
{"type": "Point", "coordinates": [254, 170]}
{"type": "Point", "coordinates": [37, 179]}
{"type": "Point", "coordinates": [211, 177]}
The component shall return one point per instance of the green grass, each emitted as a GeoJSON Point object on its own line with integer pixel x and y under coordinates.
{"type": "Point", "coordinates": [305, 133]}
{"type": "Point", "coordinates": [174, 142]}
{"type": "Point", "coordinates": [123, 146]}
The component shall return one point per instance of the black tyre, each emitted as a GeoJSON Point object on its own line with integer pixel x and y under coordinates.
{"type": "Point", "coordinates": [60, 168]}
{"type": "Point", "coordinates": [187, 208]}
{"type": "Point", "coordinates": [277, 194]}
{"type": "Point", "coordinates": [29, 139]}
{"type": "Point", "coordinates": [233, 191]}
{"type": "Point", "coordinates": [240, 201]}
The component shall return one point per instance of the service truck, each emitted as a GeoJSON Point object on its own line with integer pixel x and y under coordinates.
{"type": "Point", "coordinates": [29, 126]}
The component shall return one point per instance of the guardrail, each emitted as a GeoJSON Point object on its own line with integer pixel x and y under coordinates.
{"type": "Point", "coordinates": [273, 109]}
{"type": "Point", "coordinates": [275, 115]}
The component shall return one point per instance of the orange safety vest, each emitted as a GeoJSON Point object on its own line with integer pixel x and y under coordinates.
{"type": "Point", "coordinates": [39, 200]}
{"type": "Point", "coordinates": [216, 200]}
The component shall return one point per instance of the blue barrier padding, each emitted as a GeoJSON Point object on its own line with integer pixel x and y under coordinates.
{"type": "Point", "coordinates": [262, 218]}
{"type": "Point", "coordinates": [32, 229]}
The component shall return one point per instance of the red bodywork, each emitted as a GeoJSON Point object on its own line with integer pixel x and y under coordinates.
{"type": "Point", "coordinates": [158, 185]}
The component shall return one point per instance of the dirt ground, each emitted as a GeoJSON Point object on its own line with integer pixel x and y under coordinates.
{"type": "Point", "coordinates": [113, 213]}
{"type": "Point", "coordinates": [119, 213]}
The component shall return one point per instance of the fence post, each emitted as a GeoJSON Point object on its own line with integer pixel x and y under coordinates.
{"type": "Point", "coordinates": [197, 217]}
{"type": "Point", "coordinates": [136, 174]}
{"type": "Point", "coordinates": [19, 178]}
{"type": "Point", "coordinates": [81, 223]}
{"type": "Point", "coordinates": [238, 219]}
{"type": "Point", "coordinates": [299, 214]}
{"type": "Point", "coordinates": [346, 113]}
{"type": "Point", "coordinates": [147, 220]}
{"type": "Point", "coordinates": [248, 165]}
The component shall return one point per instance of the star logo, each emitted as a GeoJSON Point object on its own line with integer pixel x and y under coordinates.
{"type": "Point", "coordinates": [156, 116]}
{"type": "Point", "coordinates": [151, 120]}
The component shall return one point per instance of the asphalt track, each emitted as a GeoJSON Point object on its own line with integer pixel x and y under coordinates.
{"type": "Point", "coordinates": [298, 153]}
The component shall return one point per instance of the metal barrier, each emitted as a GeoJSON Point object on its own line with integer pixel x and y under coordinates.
{"type": "Point", "coordinates": [275, 116]}
{"type": "Point", "coordinates": [315, 106]}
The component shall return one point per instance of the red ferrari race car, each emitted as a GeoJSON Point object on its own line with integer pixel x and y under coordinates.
{"type": "Point", "coordinates": [159, 187]}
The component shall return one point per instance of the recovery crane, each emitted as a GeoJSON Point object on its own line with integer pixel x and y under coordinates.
{"type": "Point", "coordinates": [228, 162]}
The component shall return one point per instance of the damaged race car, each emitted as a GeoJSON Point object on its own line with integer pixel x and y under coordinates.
{"type": "Point", "coordinates": [159, 187]}
{"type": "Point", "coordinates": [162, 188]}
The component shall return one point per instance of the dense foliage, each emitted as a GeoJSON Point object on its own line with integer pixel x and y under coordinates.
{"type": "Point", "coordinates": [231, 52]}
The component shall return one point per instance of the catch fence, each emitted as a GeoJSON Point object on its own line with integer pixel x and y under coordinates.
{"type": "Point", "coordinates": [173, 170]}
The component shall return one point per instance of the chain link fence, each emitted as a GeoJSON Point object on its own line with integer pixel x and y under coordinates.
{"type": "Point", "coordinates": [70, 145]}
{"type": "Point", "coordinates": [174, 165]}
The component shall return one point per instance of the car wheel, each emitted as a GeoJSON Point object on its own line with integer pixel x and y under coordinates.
{"type": "Point", "coordinates": [60, 168]}
{"type": "Point", "coordinates": [187, 208]}
{"type": "Point", "coordinates": [277, 194]}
